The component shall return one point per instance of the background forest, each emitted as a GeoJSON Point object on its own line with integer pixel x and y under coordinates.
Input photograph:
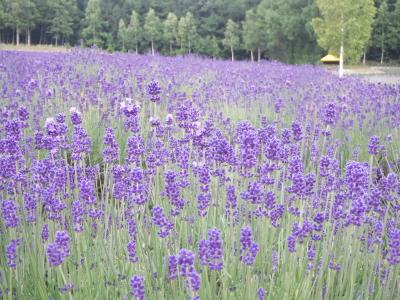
{"type": "Point", "coordinates": [240, 29]}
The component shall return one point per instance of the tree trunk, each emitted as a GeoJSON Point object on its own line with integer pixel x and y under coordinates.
{"type": "Point", "coordinates": [170, 47]}
{"type": "Point", "coordinates": [28, 36]}
{"type": "Point", "coordinates": [41, 35]}
{"type": "Point", "coordinates": [136, 49]}
{"type": "Point", "coordinates": [364, 56]}
{"type": "Point", "coordinates": [252, 55]}
{"type": "Point", "coordinates": [17, 36]}
{"type": "Point", "coordinates": [56, 41]}
{"type": "Point", "coordinates": [190, 50]}
{"type": "Point", "coordinates": [382, 50]}
{"type": "Point", "coordinates": [152, 47]}
{"type": "Point", "coordinates": [341, 60]}
{"type": "Point", "coordinates": [233, 54]}
{"type": "Point", "coordinates": [259, 55]}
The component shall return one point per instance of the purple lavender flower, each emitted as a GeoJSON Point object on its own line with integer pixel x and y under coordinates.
{"type": "Point", "coordinates": [59, 250]}
{"type": "Point", "coordinates": [249, 248]}
{"type": "Point", "coordinates": [261, 294]}
{"type": "Point", "coordinates": [111, 149]}
{"type": "Point", "coordinates": [394, 245]}
{"type": "Point", "coordinates": [76, 117]}
{"type": "Point", "coordinates": [23, 114]}
{"type": "Point", "coordinates": [330, 114]}
{"type": "Point", "coordinates": [172, 267]}
{"type": "Point", "coordinates": [373, 145]}
{"type": "Point", "coordinates": [81, 143]}
{"type": "Point", "coordinates": [132, 251]}
{"type": "Point", "coordinates": [214, 250]}
{"type": "Point", "coordinates": [231, 201]}
{"type": "Point", "coordinates": [135, 148]}
{"type": "Point", "coordinates": [185, 262]}
{"type": "Point", "coordinates": [45, 232]}
{"type": "Point", "coordinates": [137, 287]}
{"type": "Point", "coordinates": [77, 213]}
{"type": "Point", "coordinates": [11, 253]}
{"type": "Point", "coordinates": [202, 252]}
{"type": "Point", "coordinates": [254, 193]}
{"type": "Point", "coordinates": [10, 213]}
{"type": "Point", "coordinates": [161, 221]}
{"type": "Point", "coordinates": [296, 131]}
{"type": "Point", "coordinates": [154, 90]}
{"type": "Point", "coordinates": [194, 281]}
{"type": "Point", "coordinates": [291, 243]}
{"type": "Point", "coordinates": [86, 191]}
{"type": "Point", "coordinates": [203, 202]}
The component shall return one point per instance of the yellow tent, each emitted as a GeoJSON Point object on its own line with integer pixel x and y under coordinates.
{"type": "Point", "coordinates": [329, 59]}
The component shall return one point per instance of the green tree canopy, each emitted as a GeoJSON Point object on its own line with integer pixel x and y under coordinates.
{"type": "Point", "coordinates": [344, 26]}
{"type": "Point", "coordinates": [93, 32]}
{"type": "Point", "coordinates": [61, 19]}
{"type": "Point", "coordinates": [251, 36]}
{"type": "Point", "coordinates": [232, 36]}
{"type": "Point", "coordinates": [152, 28]}
{"type": "Point", "coordinates": [171, 30]}
{"type": "Point", "coordinates": [133, 31]}
{"type": "Point", "coordinates": [122, 33]}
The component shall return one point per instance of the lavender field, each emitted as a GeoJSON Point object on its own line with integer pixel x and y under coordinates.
{"type": "Point", "coordinates": [137, 177]}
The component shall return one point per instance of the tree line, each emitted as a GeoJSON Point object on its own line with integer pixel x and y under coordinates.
{"type": "Point", "coordinates": [294, 31]}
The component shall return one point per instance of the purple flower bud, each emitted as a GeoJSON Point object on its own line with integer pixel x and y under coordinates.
{"type": "Point", "coordinates": [172, 267]}
{"type": "Point", "coordinates": [249, 248]}
{"type": "Point", "coordinates": [154, 90]}
{"type": "Point", "coordinates": [330, 114]}
{"type": "Point", "coordinates": [261, 294]}
{"type": "Point", "coordinates": [59, 250]}
{"type": "Point", "coordinates": [297, 132]}
{"type": "Point", "coordinates": [137, 287]}
{"type": "Point", "coordinates": [11, 253]}
{"type": "Point", "coordinates": [10, 213]}
{"type": "Point", "coordinates": [111, 149]}
{"type": "Point", "coordinates": [159, 219]}
{"type": "Point", "coordinates": [132, 251]}
{"type": "Point", "coordinates": [373, 145]}
{"type": "Point", "coordinates": [76, 117]}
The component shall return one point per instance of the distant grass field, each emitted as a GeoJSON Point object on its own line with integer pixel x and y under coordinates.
{"type": "Point", "coordinates": [40, 48]}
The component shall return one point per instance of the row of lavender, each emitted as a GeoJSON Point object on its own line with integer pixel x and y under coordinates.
{"type": "Point", "coordinates": [126, 175]}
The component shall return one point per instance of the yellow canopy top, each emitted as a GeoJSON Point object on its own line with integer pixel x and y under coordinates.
{"type": "Point", "coordinates": [330, 58]}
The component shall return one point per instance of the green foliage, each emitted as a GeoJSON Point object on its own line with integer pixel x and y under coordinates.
{"type": "Point", "coordinates": [152, 28]}
{"type": "Point", "coordinates": [182, 35]}
{"type": "Point", "coordinates": [171, 30]}
{"type": "Point", "coordinates": [348, 23]}
{"type": "Point", "coordinates": [381, 27]}
{"type": "Point", "coordinates": [394, 29]}
{"type": "Point", "coordinates": [232, 37]}
{"type": "Point", "coordinates": [122, 33]}
{"type": "Point", "coordinates": [93, 32]}
{"type": "Point", "coordinates": [61, 19]}
{"type": "Point", "coordinates": [283, 29]}
{"type": "Point", "coordinates": [251, 31]}
{"type": "Point", "coordinates": [133, 31]}
{"type": "Point", "coordinates": [190, 29]}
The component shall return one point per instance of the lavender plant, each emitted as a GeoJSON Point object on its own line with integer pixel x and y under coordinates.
{"type": "Point", "coordinates": [147, 177]}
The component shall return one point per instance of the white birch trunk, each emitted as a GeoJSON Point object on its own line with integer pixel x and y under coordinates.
{"type": "Point", "coordinates": [341, 60]}
{"type": "Point", "coordinates": [17, 36]}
